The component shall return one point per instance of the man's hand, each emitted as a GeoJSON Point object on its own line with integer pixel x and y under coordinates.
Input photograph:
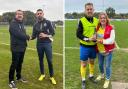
{"type": "Point", "coordinates": [93, 38]}
{"type": "Point", "coordinates": [30, 38]}
{"type": "Point", "coordinates": [42, 35]}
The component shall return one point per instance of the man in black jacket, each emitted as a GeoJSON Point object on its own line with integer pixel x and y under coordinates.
{"type": "Point", "coordinates": [18, 44]}
{"type": "Point", "coordinates": [43, 31]}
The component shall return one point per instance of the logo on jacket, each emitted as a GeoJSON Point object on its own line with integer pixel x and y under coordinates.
{"type": "Point", "coordinates": [45, 24]}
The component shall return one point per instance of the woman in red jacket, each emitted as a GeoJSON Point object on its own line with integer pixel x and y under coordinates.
{"type": "Point", "coordinates": [105, 47]}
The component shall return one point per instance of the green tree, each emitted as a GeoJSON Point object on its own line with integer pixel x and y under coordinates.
{"type": "Point", "coordinates": [29, 18]}
{"type": "Point", "coordinates": [0, 18]}
{"type": "Point", "coordinates": [68, 16]}
{"type": "Point", "coordinates": [75, 15]}
{"type": "Point", "coordinates": [111, 12]}
{"type": "Point", "coordinates": [8, 16]}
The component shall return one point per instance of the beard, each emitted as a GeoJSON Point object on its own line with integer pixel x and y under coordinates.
{"type": "Point", "coordinates": [40, 18]}
{"type": "Point", "coordinates": [89, 14]}
{"type": "Point", "coordinates": [20, 19]}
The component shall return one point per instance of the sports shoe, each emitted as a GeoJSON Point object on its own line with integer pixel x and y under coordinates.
{"type": "Point", "coordinates": [92, 79]}
{"type": "Point", "coordinates": [101, 76]}
{"type": "Point", "coordinates": [106, 84]}
{"type": "Point", "coordinates": [53, 80]}
{"type": "Point", "coordinates": [83, 85]}
{"type": "Point", "coordinates": [12, 85]}
{"type": "Point", "coordinates": [22, 80]}
{"type": "Point", "coordinates": [41, 77]}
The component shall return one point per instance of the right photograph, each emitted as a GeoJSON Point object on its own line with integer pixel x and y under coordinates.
{"type": "Point", "coordinates": [96, 49]}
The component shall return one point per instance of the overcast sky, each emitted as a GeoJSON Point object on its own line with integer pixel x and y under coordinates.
{"type": "Point", "coordinates": [120, 6]}
{"type": "Point", "coordinates": [53, 9]}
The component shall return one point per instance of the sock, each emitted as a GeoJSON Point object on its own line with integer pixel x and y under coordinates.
{"type": "Point", "coordinates": [83, 72]}
{"type": "Point", "coordinates": [91, 69]}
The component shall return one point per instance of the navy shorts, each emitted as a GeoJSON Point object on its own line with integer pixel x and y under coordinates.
{"type": "Point", "coordinates": [87, 52]}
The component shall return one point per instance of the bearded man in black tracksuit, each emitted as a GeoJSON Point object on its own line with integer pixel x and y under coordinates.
{"type": "Point", "coordinates": [43, 31]}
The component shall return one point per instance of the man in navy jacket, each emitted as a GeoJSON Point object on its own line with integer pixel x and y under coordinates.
{"type": "Point", "coordinates": [43, 31]}
{"type": "Point", "coordinates": [18, 44]}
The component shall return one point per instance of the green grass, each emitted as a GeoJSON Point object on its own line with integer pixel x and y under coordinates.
{"type": "Point", "coordinates": [31, 64]}
{"type": "Point", "coordinates": [120, 29]}
{"type": "Point", "coordinates": [70, 34]}
{"type": "Point", "coordinates": [121, 33]}
{"type": "Point", "coordinates": [72, 61]}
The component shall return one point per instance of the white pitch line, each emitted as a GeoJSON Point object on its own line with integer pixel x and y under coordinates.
{"type": "Point", "coordinates": [34, 49]}
{"type": "Point", "coordinates": [123, 49]}
{"type": "Point", "coordinates": [76, 48]}
{"type": "Point", "coordinates": [72, 48]}
{"type": "Point", "coordinates": [117, 46]}
{"type": "Point", "coordinates": [3, 33]}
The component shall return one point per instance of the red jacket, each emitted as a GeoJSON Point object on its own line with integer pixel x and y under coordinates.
{"type": "Point", "coordinates": [108, 47]}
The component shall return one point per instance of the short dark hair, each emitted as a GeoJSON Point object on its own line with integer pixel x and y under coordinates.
{"type": "Point", "coordinates": [89, 3]}
{"type": "Point", "coordinates": [19, 10]}
{"type": "Point", "coordinates": [39, 10]}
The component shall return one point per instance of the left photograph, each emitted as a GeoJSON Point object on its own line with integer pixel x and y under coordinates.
{"type": "Point", "coordinates": [31, 44]}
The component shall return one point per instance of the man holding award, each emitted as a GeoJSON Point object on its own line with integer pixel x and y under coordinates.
{"type": "Point", "coordinates": [86, 34]}
{"type": "Point", "coordinates": [43, 31]}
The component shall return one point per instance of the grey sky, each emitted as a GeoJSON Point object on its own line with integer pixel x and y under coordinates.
{"type": "Point", "coordinates": [53, 9]}
{"type": "Point", "coordinates": [120, 6]}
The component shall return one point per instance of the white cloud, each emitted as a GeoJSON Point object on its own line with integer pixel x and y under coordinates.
{"type": "Point", "coordinates": [53, 8]}
{"type": "Point", "coordinates": [121, 6]}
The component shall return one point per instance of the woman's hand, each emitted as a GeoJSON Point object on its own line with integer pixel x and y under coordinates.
{"type": "Point", "coordinates": [100, 41]}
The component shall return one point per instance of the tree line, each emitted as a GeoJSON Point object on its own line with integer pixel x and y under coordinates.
{"type": "Point", "coordinates": [29, 18]}
{"type": "Point", "coordinates": [110, 12]}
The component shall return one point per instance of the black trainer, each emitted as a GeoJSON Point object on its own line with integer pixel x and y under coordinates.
{"type": "Point", "coordinates": [12, 85]}
{"type": "Point", "coordinates": [22, 80]}
{"type": "Point", "coordinates": [92, 79]}
{"type": "Point", "coordinates": [83, 85]}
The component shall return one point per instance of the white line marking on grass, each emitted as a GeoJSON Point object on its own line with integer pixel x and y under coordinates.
{"type": "Point", "coordinates": [59, 54]}
{"type": "Point", "coordinates": [76, 48]}
{"type": "Point", "coordinates": [123, 49]}
{"type": "Point", "coordinates": [72, 48]}
{"type": "Point", "coordinates": [4, 43]}
{"type": "Point", "coordinates": [53, 53]}
{"type": "Point", "coordinates": [117, 46]}
{"type": "Point", "coordinates": [3, 33]}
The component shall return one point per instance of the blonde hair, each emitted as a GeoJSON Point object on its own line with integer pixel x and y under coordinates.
{"type": "Point", "coordinates": [108, 21]}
